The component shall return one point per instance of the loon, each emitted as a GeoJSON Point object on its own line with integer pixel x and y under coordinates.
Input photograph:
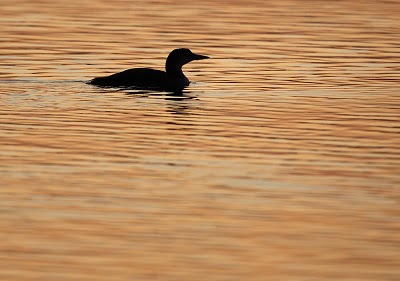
{"type": "Point", "coordinates": [172, 79]}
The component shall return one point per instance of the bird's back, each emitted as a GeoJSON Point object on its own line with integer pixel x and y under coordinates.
{"type": "Point", "coordinates": [141, 78]}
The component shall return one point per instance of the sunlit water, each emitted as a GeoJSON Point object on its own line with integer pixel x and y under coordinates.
{"type": "Point", "coordinates": [281, 161]}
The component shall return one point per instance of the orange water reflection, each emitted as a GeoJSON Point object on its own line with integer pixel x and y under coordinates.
{"type": "Point", "coordinates": [280, 163]}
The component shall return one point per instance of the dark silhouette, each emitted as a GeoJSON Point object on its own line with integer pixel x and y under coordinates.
{"type": "Point", "coordinates": [172, 79]}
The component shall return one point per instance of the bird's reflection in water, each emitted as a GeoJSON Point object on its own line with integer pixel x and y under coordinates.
{"type": "Point", "coordinates": [177, 101]}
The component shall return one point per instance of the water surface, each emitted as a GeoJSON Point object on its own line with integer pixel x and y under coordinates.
{"type": "Point", "coordinates": [280, 162]}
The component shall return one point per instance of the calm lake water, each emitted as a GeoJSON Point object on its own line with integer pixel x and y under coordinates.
{"type": "Point", "coordinates": [281, 161]}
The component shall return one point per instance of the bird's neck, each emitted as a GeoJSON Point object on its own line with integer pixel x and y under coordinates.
{"type": "Point", "coordinates": [174, 71]}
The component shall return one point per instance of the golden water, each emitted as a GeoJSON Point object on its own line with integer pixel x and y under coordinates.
{"type": "Point", "coordinates": [281, 161]}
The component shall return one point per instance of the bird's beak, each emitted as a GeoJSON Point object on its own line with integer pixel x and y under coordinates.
{"type": "Point", "coordinates": [199, 57]}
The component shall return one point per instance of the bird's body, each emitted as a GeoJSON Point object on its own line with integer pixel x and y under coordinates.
{"type": "Point", "coordinates": [172, 79]}
{"type": "Point", "coordinates": [139, 77]}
